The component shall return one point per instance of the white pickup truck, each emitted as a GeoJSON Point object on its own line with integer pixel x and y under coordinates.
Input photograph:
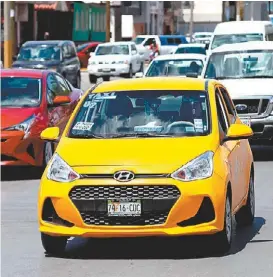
{"type": "Point", "coordinates": [166, 43]}
{"type": "Point", "coordinates": [246, 70]}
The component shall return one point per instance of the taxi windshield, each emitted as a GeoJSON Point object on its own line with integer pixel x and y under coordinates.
{"type": "Point", "coordinates": [178, 67]}
{"type": "Point", "coordinates": [240, 64]}
{"type": "Point", "coordinates": [20, 92]}
{"type": "Point", "coordinates": [142, 114]}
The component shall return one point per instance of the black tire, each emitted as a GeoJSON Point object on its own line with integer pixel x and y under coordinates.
{"type": "Point", "coordinates": [78, 81]}
{"type": "Point", "coordinates": [48, 153]}
{"type": "Point", "coordinates": [223, 239]}
{"type": "Point", "coordinates": [53, 245]}
{"type": "Point", "coordinates": [130, 74]}
{"type": "Point", "coordinates": [92, 79]}
{"type": "Point", "coordinates": [245, 216]}
{"type": "Point", "coordinates": [106, 78]}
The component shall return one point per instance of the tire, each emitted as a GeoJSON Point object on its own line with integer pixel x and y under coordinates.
{"type": "Point", "coordinates": [78, 81]}
{"type": "Point", "coordinates": [92, 79]}
{"type": "Point", "coordinates": [53, 245]}
{"type": "Point", "coordinates": [130, 74]}
{"type": "Point", "coordinates": [224, 238]}
{"type": "Point", "coordinates": [48, 153]}
{"type": "Point", "coordinates": [106, 78]}
{"type": "Point", "coordinates": [245, 216]}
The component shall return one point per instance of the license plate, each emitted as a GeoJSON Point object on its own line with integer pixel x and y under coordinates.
{"type": "Point", "coordinates": [246, 121]}
{"type": "Point", "coordinates": [124, 207]}
{"type": "Point", "coordinates": [106, 69]}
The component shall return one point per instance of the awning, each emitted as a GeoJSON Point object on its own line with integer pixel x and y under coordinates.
{"type": "Point", "coordinates": [61, 6]}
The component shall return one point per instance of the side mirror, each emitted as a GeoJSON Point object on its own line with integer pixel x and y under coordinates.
{"type": "Point", "coordinates": [134, 52]}
{"type": "Point", "coordinates": [61, 100]}
{"type": "Point", "coordinates": [91, 53]}
{"type": "Point", "coordinates": [237, 132]}
{"type": "Point", "coordinates": [14, 58]}
{"type": "Point", "coordinates": [192, 75]}
{"type": "Point", "coordinates": [50, 134]}
{"type": "Point", "coordinates": [207, 45]}
{"type": "Point", "coordinates": [139, 75]}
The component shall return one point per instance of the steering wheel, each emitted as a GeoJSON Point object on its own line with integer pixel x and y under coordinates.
{"type": "Point", "coordinates": [179, 124]}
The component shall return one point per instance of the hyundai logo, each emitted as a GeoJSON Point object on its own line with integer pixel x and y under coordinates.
{"type": "Point", "coordinates": [241, 107]}
{"type": "Point", "coordinates": [124, 176]}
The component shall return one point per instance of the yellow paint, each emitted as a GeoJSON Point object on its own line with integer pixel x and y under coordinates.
{"type": "Point", "coordinates": [8, 53]}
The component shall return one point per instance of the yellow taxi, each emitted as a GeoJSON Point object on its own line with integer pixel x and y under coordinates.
{"type": "Point", "coordinates": [161, 156]}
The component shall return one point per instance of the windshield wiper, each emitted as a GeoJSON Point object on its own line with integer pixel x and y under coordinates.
{"type": "Point", "coordinates": [258, 77]}
{"type": "Point", "coordinates": [85, 136]}
{"type": "Point", "coordinates": [140, 135]}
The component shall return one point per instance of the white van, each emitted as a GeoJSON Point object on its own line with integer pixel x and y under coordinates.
{"type": "Point", "coordinates": [240, 31]}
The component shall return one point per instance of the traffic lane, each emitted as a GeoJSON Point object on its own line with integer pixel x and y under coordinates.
{"type": "Point", "coordinates": [23, 255]}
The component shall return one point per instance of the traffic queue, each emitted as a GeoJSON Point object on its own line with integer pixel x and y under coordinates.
{"type": "Point", "coordinates": [167, 153]}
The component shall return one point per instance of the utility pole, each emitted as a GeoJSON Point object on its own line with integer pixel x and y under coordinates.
{"type": "Point", "coordinates": [9, 33]}
{"type": "Point", "coordinates": [191, 21]}
{"type": "Point", "coordinates": [108, 20]}
{"type": "Point", "coordinates": [238, 9]}
{"type": "Point", "coordinates": [252, 10]}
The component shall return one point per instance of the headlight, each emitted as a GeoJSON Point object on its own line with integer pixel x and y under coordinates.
{"type": "Point", "coordinates": [24, 126]}
{"type": "Point", "coordinates": [197, 169]}
{"type": "Point", "coordinates": [60, 171]}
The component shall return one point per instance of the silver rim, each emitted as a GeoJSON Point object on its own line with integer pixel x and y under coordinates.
{"type": "Point", "coordinates": [48, 152]}
{"type": "Point", "coordinates": [251, 196]}
{"type": "Point", "coordinates": [228, 220]}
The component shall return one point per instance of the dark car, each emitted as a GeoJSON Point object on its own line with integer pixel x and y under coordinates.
{"type": "Point", "coordinates": [60, 56]}
{"type": "Point", "coordinates": [84, 51]}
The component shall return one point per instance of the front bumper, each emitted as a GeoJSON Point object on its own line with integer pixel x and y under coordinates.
{"type": "Point", "coordinates": [108, 69]}
{"type": "Point", "coordinates": [17, 150]}
{"type": "Point", "coordinates": [181, 219]}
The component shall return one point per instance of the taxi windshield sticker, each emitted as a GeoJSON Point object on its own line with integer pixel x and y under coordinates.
{"type": "Point", "coordinates": [83, 126]}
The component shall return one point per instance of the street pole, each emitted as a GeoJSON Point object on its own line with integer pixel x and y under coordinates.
{"type": "Point", "coordinates": [9, 34]}
{"type": "Point", "coordinates": [191, 21]}
{"type": "Point", "coordinates": [252, 10]}
{"type": "Point", "coordinates": [238, 8]}
{"type": "Point", "coordinates": [108, 20]}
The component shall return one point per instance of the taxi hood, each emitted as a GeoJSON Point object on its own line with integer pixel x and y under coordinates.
{"type": "Point", "coordinates": [168, 153]}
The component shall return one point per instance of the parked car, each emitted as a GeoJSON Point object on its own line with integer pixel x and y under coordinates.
{"type": "Point", "coordinates": [32, 100]}
{"type": "Point", "coordinates": [155, 157]}
{"type": "Point", "coordinates": [240, 31]}
{"type": "Point", "coordinates": [246, 70]}
{"type": "Point", "coordinates": [191, 48]}
{"type": "Point", "coordinates": [166, 43]}
{"type": "Point", "coordinates": [115, 59]}
{"type": "Point", "coordinates": [55, 55]}
{"type": "Point", "coordinates": [84, 52]}
{"type": "Point", "coordinates": [175, 65]}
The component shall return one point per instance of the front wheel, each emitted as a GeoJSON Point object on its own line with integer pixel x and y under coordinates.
{"type": "Point", "coordinates": [92, 79]}
{"type": "Point", "coordinates": [245, 216]}
{"type": "Point", "coordinates": [53, 245]}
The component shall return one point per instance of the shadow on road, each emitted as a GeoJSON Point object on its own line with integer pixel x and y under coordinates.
{"type": "Point", "coordinates": [158, 248]}
{"type": "Point", "coordinates": [14, 173]}
{"type": "Point", "coordinates": [262, 154]}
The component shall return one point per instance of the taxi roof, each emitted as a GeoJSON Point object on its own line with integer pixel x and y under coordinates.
{"type": "Point", "coordinates": [152, 83]}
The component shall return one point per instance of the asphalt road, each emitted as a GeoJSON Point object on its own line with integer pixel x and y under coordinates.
{"type": "Point", "coordinates": [23, 255]}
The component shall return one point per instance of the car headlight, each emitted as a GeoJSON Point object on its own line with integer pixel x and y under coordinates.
{"type": "Point", "coordinates": [197, 169]}
{"type": "Point", "coordinates": [23, 126]}
{"type": "Point", "coordinates": [60, 171]}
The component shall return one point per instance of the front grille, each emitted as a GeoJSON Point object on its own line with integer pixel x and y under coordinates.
{"type": "Point", "coordinates": [111, 176]}
{"type": "Point", "coordinates": [7, 158]}
{"type": "Point", "coordinates": [156, 203]}
{"type": "Point", "coordinates": [253, 106]}
{"type": "Point", "coordinates": [116, 192]}
{"type": "Point", "coordinates": [148, 218]}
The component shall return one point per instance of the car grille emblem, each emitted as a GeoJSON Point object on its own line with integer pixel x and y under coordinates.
{"type": "Point", "coordinates": [124, 176]}
{"type": "Point", "coordinates": [241, 107]}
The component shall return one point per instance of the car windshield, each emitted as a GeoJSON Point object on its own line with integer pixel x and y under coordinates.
{"type": "Point", "coordinates": [112, 50]}
{"type": "Point", "coordinates": [81, 47]}
{"type": "Point", "coordinates": [179, 67]}
{"type": "Point", "coordinates": [142, 114]}
{"type": "Point", "coordinates": [39, 52]}
{"type": "Point", "coordinates": [138, 40]}
{"type": "Point", "coordinates": [240, 64]}
{"type": "Point", "coordinates": [20, 92]}
{"type": "Point", "coordinates": [219, 40]}
{"type": "Point", "coordinates": [191, 50]}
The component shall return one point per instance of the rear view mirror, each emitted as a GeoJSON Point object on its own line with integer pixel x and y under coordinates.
{"type": "Point", "coordinates": [139, 75]}
{"type": "Point", "coordinates": [61, 100]}
{"type": "Point", "coordinates": [238, 131]}
{"type": "Point", "coordinates": [50, 134]}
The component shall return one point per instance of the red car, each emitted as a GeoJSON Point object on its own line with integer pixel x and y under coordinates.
{"type": "Point", "coordinates": [32, 100]}
{"type": "Point", "coordinates": [84, 50]}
